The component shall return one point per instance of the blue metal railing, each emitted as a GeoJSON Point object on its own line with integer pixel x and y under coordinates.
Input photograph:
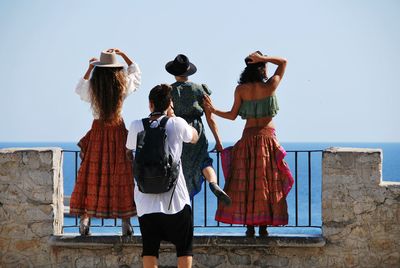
{"type": "Point", "coordinates": [305, 195]}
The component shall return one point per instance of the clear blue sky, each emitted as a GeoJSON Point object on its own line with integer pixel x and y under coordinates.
{"type": "Point", "coordinates": [342, 81]}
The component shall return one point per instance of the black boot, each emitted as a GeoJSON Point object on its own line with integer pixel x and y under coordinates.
{"type": "Point", "coordinates": [220, 194]}
{"type": "Point", "coordinates": [250, 232]}
{"type": "Point", "coordinates": [262, 231]}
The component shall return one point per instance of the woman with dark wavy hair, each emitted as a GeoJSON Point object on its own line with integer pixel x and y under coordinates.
{"type": "Point", "coordinates": [104, 186]}
{"type": "Point", "coordinates": [257, 178]}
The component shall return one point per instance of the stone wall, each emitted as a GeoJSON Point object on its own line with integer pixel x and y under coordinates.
{"type": "Point", "coordinates": [31, 207]}
{"type": "Point", "coordinates": [361, 218]}
{"type": "Point", "coordinates": [360, 213]}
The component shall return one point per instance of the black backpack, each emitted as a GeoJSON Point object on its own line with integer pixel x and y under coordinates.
{"type": "Point", "coordinates": [154, 168]}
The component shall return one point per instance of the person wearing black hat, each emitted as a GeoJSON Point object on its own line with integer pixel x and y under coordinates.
{"type": "Point", "coordinates": [188, 104]}
{"type": "Point", "coordinates": [258, 177]}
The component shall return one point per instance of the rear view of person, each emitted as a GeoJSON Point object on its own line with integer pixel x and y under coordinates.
{"type": "Point", "coordinates": [258, 179]}
{"type": "Point", "coordinates": [165, 216]}
{"type": "Point", "coordinates": [104, 186]}
{"type": "Point", "coordinates": [188, 104]}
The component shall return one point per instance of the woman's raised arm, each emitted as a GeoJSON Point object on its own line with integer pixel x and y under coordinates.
{"type": "Point", "coordinates": [232, 114]}
{"type": "Point", "coordinates": [279, 72]}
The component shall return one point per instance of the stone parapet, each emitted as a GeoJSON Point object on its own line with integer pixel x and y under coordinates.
{"type": "Point", "coordinates": [31, 207]}
{"type": "Point", "coordinates": [360, 212]}
{"type": "Point", "coordinates": [360, 216]}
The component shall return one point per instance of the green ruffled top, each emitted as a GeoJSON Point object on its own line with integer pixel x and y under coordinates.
{"type": "Point", "coordinates": [259, 108]}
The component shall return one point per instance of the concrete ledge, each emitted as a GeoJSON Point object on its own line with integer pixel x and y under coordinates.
{"type": "Point", "coordinates": [299, 241]}
{"type": "Point", "coordinates": [353, 150]}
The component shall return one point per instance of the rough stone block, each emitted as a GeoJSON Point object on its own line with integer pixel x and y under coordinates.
{"type": "Point", "coordinates": [31, 159]}
{"type": "Point", "coordinates": [13, 230]}
{"type": "Point", "coordinates": [46, 158]}
{"type": "Point", "coordinates": [272, 261]}
{"type": "Point", "coordinates": [89, 262]}
{"type": "Point", "coordinates": [12, 194]}
{"type": "Point", "coordinates": [363, 207]}
{"type": "Point", "coordinates": [239, 259]}
{"type": "Point", "coordinates": [39, 213]}
{"type": "Point", "coordinates": [210, 260]}
{"type": "Point", "coordinates": [16, 259]}
{"type": "Point", "coordinates": [7, 155]}
{"type": "Point", "coordinates": [168, 259]}
{"type": "Point", "coordinates": [391, 260]}
{"type": "Point", "coordinates": [41, 177]}
{"type": "Point", "coordinates": [41, 229]}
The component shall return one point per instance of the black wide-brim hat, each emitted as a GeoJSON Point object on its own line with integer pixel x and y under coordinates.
{"type": "Point", "coordinates": [180, 66]}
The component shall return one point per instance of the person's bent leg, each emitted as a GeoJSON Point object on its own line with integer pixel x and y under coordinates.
{"type": "Point", "coordinates": [185, 261]}
{"type": "Point", "coordinates": [150, 262]}
{"type": "Point", "coordinates": [211, 177]}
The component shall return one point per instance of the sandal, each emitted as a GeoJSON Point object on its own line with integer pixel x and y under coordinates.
{"type": "Point", "coordinates": [84, 225]}
{"type": "Point", "coordinates": [127, 229]}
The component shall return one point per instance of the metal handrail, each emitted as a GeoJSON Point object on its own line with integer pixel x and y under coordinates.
{"type": "Point", "coordinates": [218, 225]}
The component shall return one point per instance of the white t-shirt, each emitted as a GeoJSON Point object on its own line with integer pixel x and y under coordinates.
{"type": "Point", "coordinates": [178, 131]}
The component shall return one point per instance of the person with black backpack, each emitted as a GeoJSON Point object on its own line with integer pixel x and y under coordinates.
{"type": "Point", "coordinates": [161, 195]}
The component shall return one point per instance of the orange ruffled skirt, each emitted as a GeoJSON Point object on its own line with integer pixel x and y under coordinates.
{"type": "Point", "coordinates": [257, 179]}
{"type": "Point", "coordinates": [104, 186]}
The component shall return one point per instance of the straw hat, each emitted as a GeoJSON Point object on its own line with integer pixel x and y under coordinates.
{"type": "Point", "coordinates": [107, 59]}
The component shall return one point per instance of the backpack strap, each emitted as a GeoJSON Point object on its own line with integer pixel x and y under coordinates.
{"type": "Point", "coordinates": [146, 123]}
{"type": "Point", "coordinates": [163, 121]}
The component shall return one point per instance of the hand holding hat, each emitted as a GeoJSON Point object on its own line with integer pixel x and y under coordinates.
{"type": "Point", "coordinates": [119, 52]}
{"type": "Point", "coordinates": [107, 59]}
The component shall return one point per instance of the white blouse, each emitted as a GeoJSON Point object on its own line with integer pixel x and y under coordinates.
{"type": "Point", "coordinates": [133, 82]}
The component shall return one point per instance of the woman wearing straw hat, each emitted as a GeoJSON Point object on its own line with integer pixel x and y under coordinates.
{"type": "Point", "coordinates": [188, 101]}
{"type": "Point", "coordinates": [258, 179]}
{"type": "Point", "coordinates": [104, 186]}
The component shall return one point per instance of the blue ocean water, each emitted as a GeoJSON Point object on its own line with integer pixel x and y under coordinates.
{"type": "Point", "coordinates": [308, 212]}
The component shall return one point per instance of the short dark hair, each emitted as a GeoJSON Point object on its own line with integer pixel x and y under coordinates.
{"type": "Point", "coordinates": [160, 96]}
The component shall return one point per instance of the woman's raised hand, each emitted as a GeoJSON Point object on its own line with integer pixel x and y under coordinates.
{"type": "Point", "coordinates": [92, 60]}
{"type": "Point", "coordinates": [90, 68]}
{"type": "Point", "coordinates": [256, 57]}
{"type": "Point", "coordinates": [115, 50]}
{"type": "Point", "coordinates": [120, 53]}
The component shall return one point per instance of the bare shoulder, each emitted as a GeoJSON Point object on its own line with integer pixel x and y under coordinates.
{"type": "Point", "coordinates": [273, 82]}
{"type": "Point", "coordinates": [240, 88]}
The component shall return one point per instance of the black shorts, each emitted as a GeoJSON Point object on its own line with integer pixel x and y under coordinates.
{"type": "Point", "coordinates": [175, 228]}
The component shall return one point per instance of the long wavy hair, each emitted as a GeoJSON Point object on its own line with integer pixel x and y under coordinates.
{"type": "Point", "coordinates": [108, 85]}
{"type": "Point", "coordinates": [253, 73]}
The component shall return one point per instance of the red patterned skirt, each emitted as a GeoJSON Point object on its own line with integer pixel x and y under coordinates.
{"type": "Point", "coordinates": [104, 186]}
{"type": "Point", "coordinates": [258, 181]}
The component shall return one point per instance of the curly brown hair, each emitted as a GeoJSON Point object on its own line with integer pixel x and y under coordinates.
{"type": "Point", "coordinates": [108, 85]}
